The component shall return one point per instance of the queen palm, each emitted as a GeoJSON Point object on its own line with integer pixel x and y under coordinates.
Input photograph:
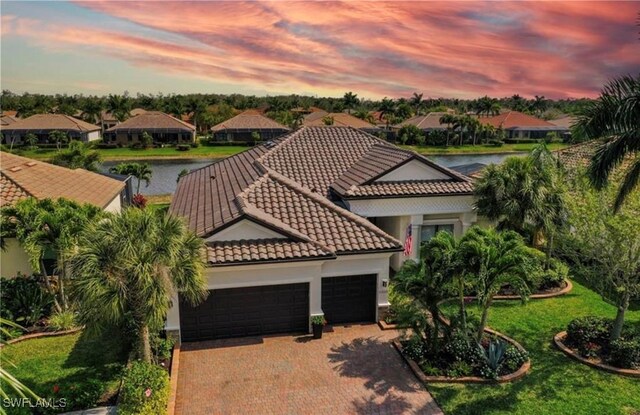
{"type": "Point", "coordinates": [141, 171]}
{"type": "Point", "coordinates": [615, 118]}
{"type": "Point", "coordinates": [491, 260]}
{"type": "Point", "coordinates": [130, 266]}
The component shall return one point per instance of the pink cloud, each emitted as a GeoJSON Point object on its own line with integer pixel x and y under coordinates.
{"type": "Point", "coordinates": [464, 49]}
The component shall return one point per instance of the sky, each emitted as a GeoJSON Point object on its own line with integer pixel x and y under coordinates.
{"type": "Point", "coordinates": [459, 49]}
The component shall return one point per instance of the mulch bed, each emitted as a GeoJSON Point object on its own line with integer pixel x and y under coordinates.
{"type": "Point", "coordinates": [597, 363]}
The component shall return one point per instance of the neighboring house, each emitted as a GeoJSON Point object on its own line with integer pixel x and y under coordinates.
{"type": "Point", "coordinates": [426, 123]}
{"type": "Point", "coordinates": [472, 170]}
{"type": "Point", "coordinates": [307, 224]}
{"type": "Point", "coordinates": [244, 125]}
{"type": "Point", "coordinates": [518, 125]}
{"type": "Point", "coordinates": [7, 120]}
{"type": "Point", "coordinates": [339, 119]}
{"type": "Point", "coordinates": [162, 127]}
{"type": "Point", "coordinates": [42, 124]}
{"type": "Point", "coordinates": [565, 122]}
{"type": "Point", "coordinates": [21, 177]}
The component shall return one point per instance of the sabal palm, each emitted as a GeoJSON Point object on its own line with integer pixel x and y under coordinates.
{"type": "Point", "coordinates": [141, 171]}
{"type": "Point", "coordinates": [615, 118]}
{"type": "Point", "coordinates": [133, 264]}
{"type": "Point", "coordinates": [491, 260]}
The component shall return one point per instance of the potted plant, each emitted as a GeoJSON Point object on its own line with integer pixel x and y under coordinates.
{"type": "Point", "coordinates": [317, 324]}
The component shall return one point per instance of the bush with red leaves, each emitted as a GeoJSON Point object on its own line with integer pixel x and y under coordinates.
{"type": "Point", "coordinates": [139, 201]}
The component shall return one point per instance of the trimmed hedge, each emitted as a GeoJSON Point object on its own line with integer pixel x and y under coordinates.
{"type": "Point", "coordinates": [145, 390]}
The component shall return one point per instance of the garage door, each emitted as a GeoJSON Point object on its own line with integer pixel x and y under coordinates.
{"type": "Point", "coordinates": [247, 311]}
{"type": "Point", "coordinates": [349, 299]}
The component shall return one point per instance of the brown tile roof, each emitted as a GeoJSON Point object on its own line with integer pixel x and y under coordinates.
{"type": "Point", "coordinates": [249, 120]}
{"type": "Point", "coordinates": [565, 122]}
{"type": "Point", "coordinates": [431, 121]}
{"type": "Point", "coordinates": [7, 120]}
{"type": "Point", "coordinates": [152, 120]}
{"type": "Point", "coordinates": [23, 177]}
{"type": "Point", "coordinates": [514, 119]}
{"type": "Point", "coordinates": [340, 119]}
{"type": "Point", "coordinates": [283, 184]}
{"type": "Point", "coordinates": [411, 189]}
{"type": "Point", "coordinates": [578, 155]}
{"type": "Point", "coordinates": [44, 122]}
{"type": "Point", "coordinates": [262, 250]}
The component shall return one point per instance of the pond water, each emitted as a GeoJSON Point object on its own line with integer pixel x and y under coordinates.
{"type": "Point", "coordinates": [165, 172]}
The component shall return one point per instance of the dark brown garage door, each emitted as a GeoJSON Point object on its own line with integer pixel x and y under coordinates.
{"type": "Point", "coordinates": [248, 311]}
{"type": "Point", "coordinates": [349, 299]}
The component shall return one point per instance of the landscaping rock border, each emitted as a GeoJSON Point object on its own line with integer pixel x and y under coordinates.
{"type": "Point", "coordinates": [518, 374]}
{"type": "Point", "coordinates": [388, 326]}
{"type": "Point", "coordinates": [173, 379]}
{"type": "Point", "coordinates": [557, 340]}
{"type": "Point", "coordinates": [41, 334]}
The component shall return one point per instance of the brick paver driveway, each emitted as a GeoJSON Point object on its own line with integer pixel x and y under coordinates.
{"type": "Point", "coordinates": [351, 370]}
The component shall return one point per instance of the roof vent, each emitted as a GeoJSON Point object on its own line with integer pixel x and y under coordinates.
{"type": "Point", "coordinates": [16, 168]}
{"type": "Point", "coordinates": [31, 163]}
{"type": "Point", "coordinates": [269, 144]}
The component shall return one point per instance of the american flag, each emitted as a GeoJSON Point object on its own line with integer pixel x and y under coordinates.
{"type": "Point", "coordinates": [408, 242]}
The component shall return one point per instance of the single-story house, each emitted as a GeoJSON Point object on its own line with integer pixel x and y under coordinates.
{"type": "Point", "coordinates": [566, 122]}
{"type": "Point", "coordinates": [338, 119]}
{"type": "Point", "coordinates": [108, 120]}
{"type": "Point", "coordinates": [518, 125]}
{"type": "Point", "coordinates": [42, 124]}
{"type": "Point", "coordinates": [244, 125]}
{"type": "Point", "coordinates": [22, 177]}
{"type": "Point", "coordinates": [162, 127]}
{"type": "Point", "coordinates": [7, 120]}
{"type": "Point", "coordinates": [427, 123]}
{"type": "Point", "coordinates": [308, 224]}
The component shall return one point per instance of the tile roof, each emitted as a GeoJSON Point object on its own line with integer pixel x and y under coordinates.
{"type": "Point", "coordinates": [431, 121]}
{"type": "Point", "coordinates": [514, 119]}
{"type": "Point", "coordinates": [340, 119]}
{"type": "Point", "coordinates": [39, 122]}
{"type": "Point", "coordinates": [565, 122]}
{"type": "Point", "coordinates": [22, 177]}
{"type": "Point", "coordinates": [249, 120]}
{"type": "Point", "coordinates": [284, 184]}
{"type": "Point", "coordinates": [152, 120]}
{"type": "Point", "coordinates": [578, 155]}
{"type": "Point", "coordinates": [7, 120]}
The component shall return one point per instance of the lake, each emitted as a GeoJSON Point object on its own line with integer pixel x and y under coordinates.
{"type": "Point", "coordinates": [165, 172]}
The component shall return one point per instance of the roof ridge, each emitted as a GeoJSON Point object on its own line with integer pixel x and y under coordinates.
{"type": "Point", "coordinates": [328, 204]}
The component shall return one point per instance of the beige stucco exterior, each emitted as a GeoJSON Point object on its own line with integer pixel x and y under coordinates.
{"type": "Point", "coordinates": [14, 260]}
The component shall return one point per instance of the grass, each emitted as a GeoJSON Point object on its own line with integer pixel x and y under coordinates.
{"type": "Point", "coordinates": [126, 153]}
{"type": "Point", "coordinates": [482, 149]}
{"type": "Point", "coordinates": [556, 384]}
{"type": "Point", "coordinates": [66, 361]}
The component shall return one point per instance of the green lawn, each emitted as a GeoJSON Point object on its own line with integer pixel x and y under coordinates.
{"type": "Point", "coordinates": [130, 153]}
{"type": "Point", "coordinates": [484, 149]}
{"type": "Point", "coordinates": [556, 384]}
{"type": "Point", "coordinates": [67, 361]}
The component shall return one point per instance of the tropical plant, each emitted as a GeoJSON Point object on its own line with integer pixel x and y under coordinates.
{"type": "Point", "coordinates": [129, 266]}
{"type": "Point", "coordinates": [145, 390]}
{"type": "Point", "coordinates": [350, 101]}
{"type": "Point", "coordinates": [449, 120]}
{"type": "Point", "coordinates": [492, 260]}
{"type": "Point", "coordinates": [92, 109]}
{"type": "Point", "coordinates": [63, 320]}
{"type": "Point", "coordinates": [23, 300]}
{"type": "Point", "coordinates": [119, 106]}
{"type": "Point", "coordinates": [417, 102]}
{"type": "Point", "coordinates": [141, 171]}
{"type": "Point", "coordinates": [146, 140]}
{"type": "Point", "coordinates": [197, 108]}
{"type": "Point", "coordinates": [78, 156]}
{"type": "Point", "coordinates": [328, 120]}
{"type": "Point", "coordinates": [58, 137]}
{"type": "Point", "coordinates": [615, 118]}
{"type": "Point", "coordinates": [387, 109]}
{"type": "Point", "coordinates": [49, 228]}
{"type": "Point", "coordinates": [31, 140]}
{"type": "Point", "coordinates": [182, 173]}
{"type": "Point", "coordinates": [487, 106]}
{"type": "Point", "coordinates": [410, 134]}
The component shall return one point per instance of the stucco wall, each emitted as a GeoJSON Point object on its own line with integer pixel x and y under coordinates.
{"type": "Point", "coordinates": [14, 260]}
{"type": "Point", "coordinates": [114, 206]}
{"type": "Point", "coordinates": [93, 135]}
{"type": "Point", "coordinates": [413, 170]}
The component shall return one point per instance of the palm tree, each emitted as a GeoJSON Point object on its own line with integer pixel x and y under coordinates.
{"type": "Point", "coordinates": [387, 108]}
{"type": "Point", "coordinates": [141, 171]}
{"type": "Point", "coordinates": [487, 106]}
{"type": "Point", "coordinates": [615, 118]}
{"type": "Point", "coordinates": [539, 105]}
{"type": "Point", "coordinates": [196, 107]}
{"type": "Point", "coordinates": [450, 120]}
{"type": "Point", "coordinates": [119, 106]}
{"type": "Point", "coordinates": [492, 260]}
{"type": "Point", "coordinates": [58, 137]}
{"type": "Point", "coordinates": [133, 264]}
{"type": "Point", "coordinates": [416, 102]}
{"type": "Point", "coordinates": [92, 109]}
{"type": "Point", "coordinates": [350, 101]}
{"type": "Point", "coordinates": [175, 106]}
{"type": "Point", "coordinates": [78, 156]}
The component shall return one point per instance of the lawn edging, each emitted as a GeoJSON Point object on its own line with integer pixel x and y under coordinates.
{"type": "Point", "coordinates": [173, 379]}
{"type": "Point", "coordinates": [41, 334]}
{"type": "Point", "coordinates": [558, 341]}
{"type": "Point", "coordinates": [389, 326]}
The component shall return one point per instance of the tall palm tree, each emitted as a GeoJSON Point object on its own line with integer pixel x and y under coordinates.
{"type": "Point", "coordinates": [133, 264]}
{"type": "Point", "coordinates": [350, 101]}
{"type": "Point", "coordinates": [615, 118]}
{"type": "Point", "coordinates": [449, 120]}
{"type": "Point", "coordinates": [197, 107]}
{"type": "Point", "coordinates": [119, 106]}
{"type": "Point", "coordinates": [141, 171]}
{"type": "Point", "coordinates": [492, 260]}
{"type": "Point", "coordinates": [78, 156]}
{"type": "Point", "coordinates": [416, 102]}
{"type": "Point", "coordinates": [92, 109]}
{"type": "Point", "coordinates": [387, 108]}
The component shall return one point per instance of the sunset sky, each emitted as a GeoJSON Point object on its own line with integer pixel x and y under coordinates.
{"type": "Point", "coordinates": [376, 49]}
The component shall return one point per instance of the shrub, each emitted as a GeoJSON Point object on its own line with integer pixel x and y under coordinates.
{"type": "Point", "coordinates": [162, 347]}
{"type": "Point", "coordinates": [460, 348]}
{"type": "Point", "coordinates": [459, 369]}
{"type": "Point", "coordinates": [139, 201]}
{"type": "Point", "coordinates": [318, 320]}
{"type": "Point", "coordinates": [24, 300]}
{"type": "Point", "coordinates": [82, 395]}
{"type": "Point", "coordinates": [145, 390]}
{"type": "Point", "coordinates": [513, 359]}
{"type": "Point", "coordinates": [625, 353]}
{"type": "Point", "coordinates": [584, 333]}
{"type": "Point", "coordinates": [146, 140]}
{"type": "Point", "coordinates": [554, 276]}
{"type": "Point", "coordinates": [63, 320]}
{"type": "Point", "coordinates": [415, 349]}
{"type": "Point", "coordinates": [494, 356]}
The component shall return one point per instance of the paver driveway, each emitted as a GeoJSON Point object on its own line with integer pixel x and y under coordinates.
{"type": "Point", "coordinates": [351, 370]}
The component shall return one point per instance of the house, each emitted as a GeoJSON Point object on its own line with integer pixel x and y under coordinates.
{"type": "Point", "coordinates": [243, 126]}
{"type": "Point", "coordinates": [7, 120]}
{"type": "Point", "coordinates": [339, 119]}
{"type": "Point", "coordinates": [162, 127]}
{"type": "Point", "coordinates": [427, 123]}
{"type": "Point", "coordinates": [566, 122]}
{"type": "Point", "coordinates": [21, 177]}
{"type": "Point", "coordinates": [310, 223]}
{"type": "Point", "coordinates": [108, 120]}
{"type": "Point", "coordinates": [42, 124]}
{"type": "Point", "coordinates": [517, 125]}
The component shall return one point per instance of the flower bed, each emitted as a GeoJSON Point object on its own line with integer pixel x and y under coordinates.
{"type": "Point", "coordinates": [462, 362]}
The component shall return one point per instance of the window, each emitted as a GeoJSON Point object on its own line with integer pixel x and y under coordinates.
{"type": "Point", "coordinates": [429, 231]}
